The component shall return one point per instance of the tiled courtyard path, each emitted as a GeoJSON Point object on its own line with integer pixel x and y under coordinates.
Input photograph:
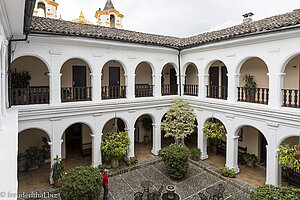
{"type": "Point", "coordinates": [123, 187]}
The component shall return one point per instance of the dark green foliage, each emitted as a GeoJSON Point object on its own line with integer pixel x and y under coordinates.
{"type": "Point", "coordinates": [270, 192]}
{"type": "Point", "coordinates": [195, 152]}
{"type": "Point", "coordinates": [175, 158]}
{"type": "Point", "coordinates": [20, 79]}
{"type": "Point", "coordinates": [35, 155]}
{"type": "Point", "coordinates": [81, 183]}
{"type": "Point", "coordinates": [250, 157]}
{"type": "Point", "coordinates": [115, 144]}
{"type": "Point", "coordinates": [57, 169]}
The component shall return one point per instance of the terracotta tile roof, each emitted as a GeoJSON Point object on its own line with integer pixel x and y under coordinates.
{"type": "Point", "coordinates": [54, 26]}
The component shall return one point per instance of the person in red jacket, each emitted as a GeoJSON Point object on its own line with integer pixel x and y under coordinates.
{"type": "Point", "coordinates": [105, 183]}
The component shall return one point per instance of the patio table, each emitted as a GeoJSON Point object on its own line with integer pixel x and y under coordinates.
{"type": "Point", "coordinates": [215, 193]}
{"type": "Point", "coordinates": [146, 185]}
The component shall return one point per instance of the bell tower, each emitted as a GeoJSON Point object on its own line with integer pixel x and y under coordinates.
{"type": "Point", "coordinates": [45, 8]}
{"type": "Point", "coordinates": [109, 17]}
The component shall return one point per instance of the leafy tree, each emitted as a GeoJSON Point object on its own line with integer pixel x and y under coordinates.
{"type": "Point", "coordinates": [179, 121]}
{"type": "Point", "coordinates": [115, 144]}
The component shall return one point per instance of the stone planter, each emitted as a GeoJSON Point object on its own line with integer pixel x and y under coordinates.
{"type": "Point", "coordinates": [115, 162]}
{"type": "Point", "coordinates": [195, 158]}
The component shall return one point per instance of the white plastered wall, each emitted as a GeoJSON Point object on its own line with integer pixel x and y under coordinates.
{"type": "Point", "coordinates": [292, 74]}
{"type": "Point", "coordinates": [143, 74]}
{"type": "Point", "coordinates": [105, 73]}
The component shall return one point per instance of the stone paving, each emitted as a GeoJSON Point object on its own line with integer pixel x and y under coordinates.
{"type": "Point", "coordinates": [123, 187]}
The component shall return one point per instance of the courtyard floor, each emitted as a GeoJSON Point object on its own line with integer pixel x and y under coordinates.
{"type": "Point", "coordinates": [253, 176]}
{"type": "Point", "coordinates": [124, 186]}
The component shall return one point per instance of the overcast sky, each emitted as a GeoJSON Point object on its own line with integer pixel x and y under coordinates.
{"type": "Point", "coordinates": [179, 17]}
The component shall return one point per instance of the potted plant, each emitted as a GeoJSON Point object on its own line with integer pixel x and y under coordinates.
{"type": "Point", "coordinates": [250, 159]}
{"type": "Point", "coordinates": [250, 86]}
{"type": "Point", "coordinates": [224, 171]}
{"type": "Point", "coordinates": [232, 173]}
{"type": "Point", "coordinates": [132, 160]}
{"type": "Point", "coordinates": [115, 145]}
{"type": "Point", "coordinates": [195, 153]}
{"type": "Point", "coordinates": [288, 157]}
{"type": "Point", "coordinates": [57, 171]}
{"type": "Point", "coordinates": [214, 132]}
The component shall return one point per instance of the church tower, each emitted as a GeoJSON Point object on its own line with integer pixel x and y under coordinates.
{"type": "Point", "coordinates": [45, 8]}
{"type": "Point", "coordinates": [81, 19]}
{"type": "Point", "coordinates": [109, 17]}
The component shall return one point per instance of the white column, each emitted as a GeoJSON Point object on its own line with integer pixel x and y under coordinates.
{"type": "Point", "coordinates": [55, 149]}
{"type": "Point", "coordinates": [202, 86]}
{"type": "Point", "coordinates": [275, 86]}
{"type": "Point", "coordinates": [55, 88]}
{"type": "Point", "coordinates": [130, 133]}
{"type": "Point", "coordinates": [202, 143]}
{"type": "Point", "coordinates": [96, 149]}
{"type": "Point", "coordinates": [182, 83]}
{"type": "Point", "coordinates": [233, 84]}
{"type": "Point", "coordinates": [156, 139]}
{"type": "Point", "coordinates": [96, 87]}
{"type": "Point", "coordinates": [55, 78]}
{"type": "Point", "coordinates": [272, 172]}
{"type": "Point", "coordinates": [3, 78]}
{"type": "Point", "coordinates": [129, 80]}
{"type": "Point", "coordinates": [155, 86]}
{"type": "Point", "coordinates": [199, 85]}
{"type": "Point", "coordinates": [232, 152]}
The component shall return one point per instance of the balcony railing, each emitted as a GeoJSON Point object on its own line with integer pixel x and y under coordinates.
{"type": "Point", "coordinates": [191, 90]}
{"type": "Point", "coordinates": [113, 92]}
{"type": "Point", "coordinates": [32, 95]}
{"type": "Point", "coordinates": [216, 92]}
{"type": "Point", "coordinates": [169, 90]}
{"type": "Point", "coordinates": [291, 98]}
{"type": "Point", "coordinates": [143, 90]}
{"type": "Point", "coordinates": [253, 95]}
{"type": "Point", "coordinates": [71, 94]}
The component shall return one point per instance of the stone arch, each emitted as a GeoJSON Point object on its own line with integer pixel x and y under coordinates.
{"type": "Point", "coordinates": [149, 63]}
{"type": "Point", "coordinates": [172, 64]}
{"type": "Point", "coordinates": [37, 128]}
{"type": "Point", "coordinates": [245, 59]}
{"type": "Point", "coordinates": [144, 80]}
{"type": "Point", "coordinates": [85, 60]}
{"type": "Point", "coordinates": [191, 79]}
{"type": "Point", "coordinates": [118, 117]}
{"type": "Point", "coordinates": [34, 55]}
{"type": "Point", "coordinates": [286, 137]}
{"type": "Point", "coordinates": [68, 124]}
{"type": "Point", "coordinates": [118, 61]}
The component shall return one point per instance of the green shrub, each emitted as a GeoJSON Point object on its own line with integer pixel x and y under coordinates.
{"type": "Point", "coordinates": [81, 183]}
{"type": "Point", "coordinates": [232, 173]}
{"type": "Point", "coordinates": [195, 152]}
{"type": "Point", "coordinates": [224, 171]}
{"type": "Point", "coordinates": [250, 157]}
{"type": "Point", "coordinates": [270, 192]}
{"type": "Point", "coordinates": [175, 158]}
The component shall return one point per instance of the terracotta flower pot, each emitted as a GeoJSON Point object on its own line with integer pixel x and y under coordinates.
{"type": "Point", "coordinates": [214, 148]}
{"type": "Point", "coordinates": [57, 183]}
{"type": "Point", "coordinates": [250, 164]}
{"type": "Point", "coordinates": [195, 158]}
{"type": "Point", "coordinates": [226, 175]}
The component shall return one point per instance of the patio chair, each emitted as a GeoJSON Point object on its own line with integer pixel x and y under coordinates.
{"type": "Point", "coordinates": [138, 196]}
{"type": "Point", "coordinates": [157, 193]}
{"type": "Point", "coordinates": [202, 196]}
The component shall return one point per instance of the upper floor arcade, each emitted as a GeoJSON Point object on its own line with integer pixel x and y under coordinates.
{"type": "Point", "coordinates": [248, 74]}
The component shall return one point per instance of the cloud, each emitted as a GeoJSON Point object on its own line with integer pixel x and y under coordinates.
{"type": "Point", "coordinates": [180, 18]}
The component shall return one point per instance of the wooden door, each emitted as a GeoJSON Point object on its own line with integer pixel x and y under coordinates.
{"type": "Point", "coordinates": [214, 82]}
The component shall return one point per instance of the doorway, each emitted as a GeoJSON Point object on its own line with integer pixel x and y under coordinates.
{"type": "Point", "coordinates": [73, 140]}
{"type": "Point", "coordinates": [79, 76]}
{"type": "Point", "coordinates": [224, 82]}
{"type": "Point", "coordinates": [214, 81]}
{"type": "Point", "coordinates": [114, 82]}
{"type": "Point", "coordinates": [173, 81]}
{"type": "Point", "coordinates": [263, 150]}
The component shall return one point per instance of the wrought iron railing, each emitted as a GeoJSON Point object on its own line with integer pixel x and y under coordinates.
{"type": "Point", "coordinates": [169, 90]}
{"type": "Point", "coordinates": [113, 92]}
{"type": "Point", "coordinates": [31, 95]}
{"type": "Point", "coordinates": [216, 92]}
{"type": "Point", "coordinates": [291, 98]}
{"type": "Point", "coordinates": [191, 90]}
{"type": "Point", "coordinates": [71, 94]}
{"type": "Point", "coordinates": [143, 90]}
{"type": "Point", "coordinates": [253, 95]}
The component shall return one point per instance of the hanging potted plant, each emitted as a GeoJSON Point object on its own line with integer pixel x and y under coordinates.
{"type": "Point", "coordinates": [250, 159]}
{"type": "Point", "coordinates": [57, 171]}
{"type": "Point", "coordinates": [115, 145]}
{"type": "Point", "coordinates": [214, 132]}
{"type": "Point", "coordinates": [195, 153]}
{"type": "Point", "coordinates": [288, 157]}
{"type": "Point", "coordinates": [250, 87]}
